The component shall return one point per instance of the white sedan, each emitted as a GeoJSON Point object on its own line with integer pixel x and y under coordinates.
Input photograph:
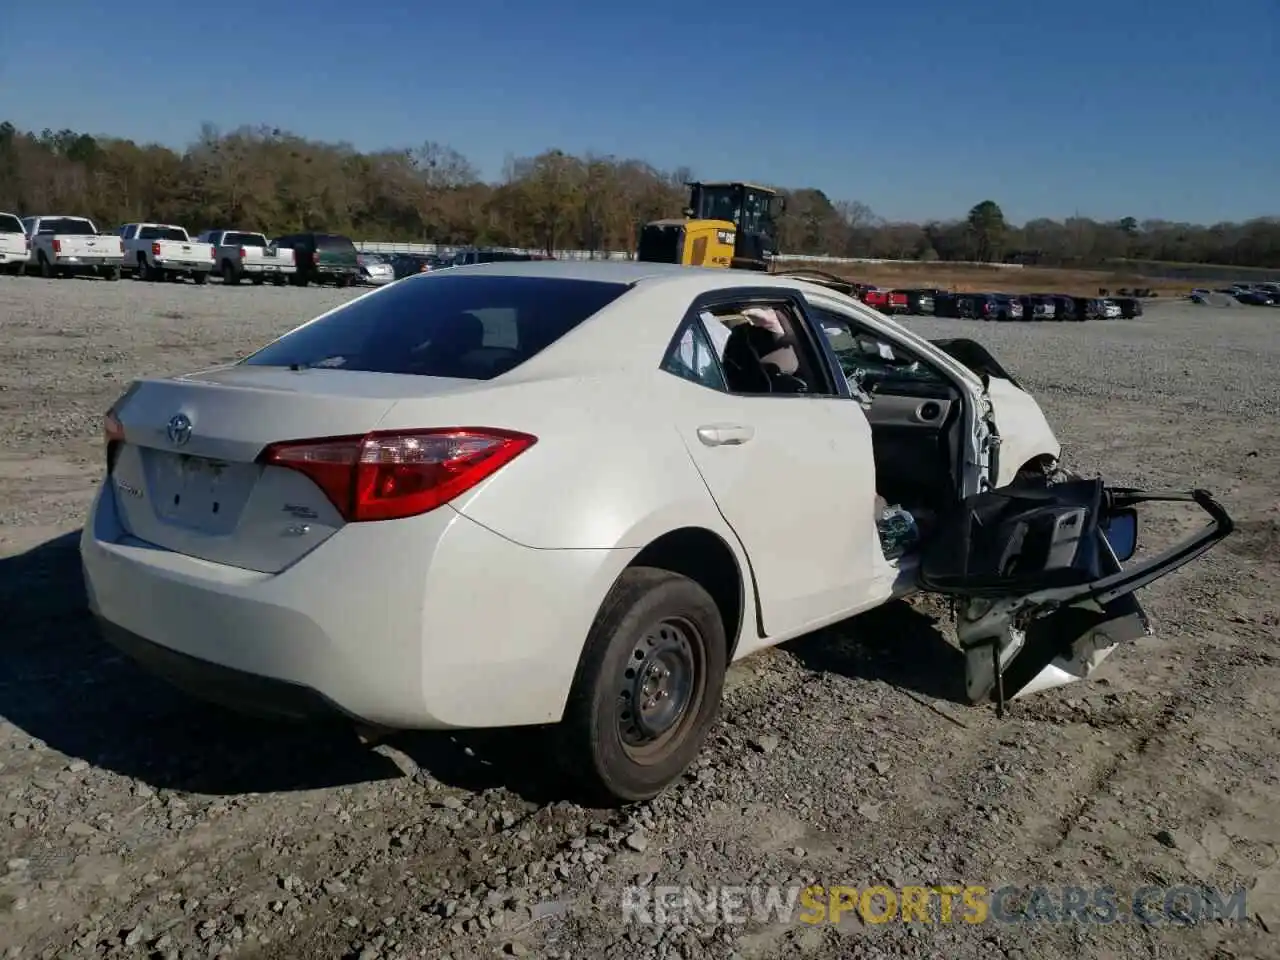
{"type": "Point", "coordinates": [572, 493]}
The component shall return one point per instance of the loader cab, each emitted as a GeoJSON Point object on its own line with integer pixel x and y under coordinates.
{"type": "Point", "coordinates": [725, 225]}
{"type": "Point", "coordinates": [753, 210]}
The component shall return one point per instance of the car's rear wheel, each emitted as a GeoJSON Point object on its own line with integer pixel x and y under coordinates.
{"type": "Point", "coordinates": [647, 688]}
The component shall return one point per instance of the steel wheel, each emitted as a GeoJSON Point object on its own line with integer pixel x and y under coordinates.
{"type": "Point", "coordinates": [661, 688]}
{"type": "Point", "coordinates": [647, 687]}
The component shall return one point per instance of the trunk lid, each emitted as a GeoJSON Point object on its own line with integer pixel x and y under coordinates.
{"type": "Point", "coordinates": [267, 256]}
{"type": "Point", "coordinates": [13, 238]}
{"type": "Point", "coordinates": [13, 245]}
{"type": "Point", "coordinates": [78, 245]}
{"type": "Point", "coordinates": [182, 251]}
{"type": "Point", "coordinates": [186, 479]}
{"type": "Point", "coordinates": [337, 254]}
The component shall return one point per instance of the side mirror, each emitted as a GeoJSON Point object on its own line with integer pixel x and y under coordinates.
{"type": "Point", "coordinates": [1121, 531]}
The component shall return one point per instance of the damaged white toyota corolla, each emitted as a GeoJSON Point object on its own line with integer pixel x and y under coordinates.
{"type": "Point", "coordinates": [559, 493]}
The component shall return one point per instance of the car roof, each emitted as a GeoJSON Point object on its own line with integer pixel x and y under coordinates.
{"type": "Point", "coordinates": [629, 272]}
{"type": "Point", "coordinates": [633, 332]}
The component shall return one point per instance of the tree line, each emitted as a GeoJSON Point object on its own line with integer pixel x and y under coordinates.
{"type": "Point", "coordinates": [267, 179]}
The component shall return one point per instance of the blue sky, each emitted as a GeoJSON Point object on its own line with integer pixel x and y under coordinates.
{"type": "Point", "coordinates": [1109, 108]}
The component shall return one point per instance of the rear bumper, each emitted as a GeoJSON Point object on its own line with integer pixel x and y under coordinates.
{"type": "Point", "coordinates": [268, 268]}
{"type": "Point", "coordinates": [429, 623]}
{"type": "Point", "coordinates": [236, 689]}
{"type": "Point", "coordinates": [186, 266]}
{"type": "Point", "coordinates": [87, 262]}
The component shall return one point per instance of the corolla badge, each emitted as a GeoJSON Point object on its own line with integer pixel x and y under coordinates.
{"type": "Point", "coordinates": [179, 429]}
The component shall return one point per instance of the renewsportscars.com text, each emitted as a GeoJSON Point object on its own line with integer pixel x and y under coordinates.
{"type": "Point", "coordinates": [943, 904]}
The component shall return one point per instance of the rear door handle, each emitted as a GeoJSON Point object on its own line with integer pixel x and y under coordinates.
{"type": "Point", "coordinates": [725, 434]}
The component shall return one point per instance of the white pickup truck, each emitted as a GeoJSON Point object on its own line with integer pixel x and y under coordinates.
{"type": "Point", "coordinates": [239, 254]}
{"type": "Point", "coordinates": [65, 246]}
{"type": "Point", "coordinates": [14, 245]}
{"type": "Point", "coordinates": [162, 251]}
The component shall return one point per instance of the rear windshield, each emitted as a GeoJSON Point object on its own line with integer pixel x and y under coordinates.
{"type": "Point", "coordinates": [162, 233]}
{"type": "Point", "coordinates": [244, 240]}
{"type": "Point", "coordinates": [468, 327]}
{"type": "Point", "coordinates": [10, 224]}
{"type": "Point", "coordinates": [330, 242]}
{"type": "Point", "coordinates": [68, 227]}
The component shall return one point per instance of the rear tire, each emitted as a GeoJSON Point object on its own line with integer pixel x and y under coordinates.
{"type": "Point", "coordinates": [46, 268]}
{"type": "Point", "coordinates": [111, 273]}
{"type": "Point", "coordinates": [230, 275]}
{"type": "Point", "coordinates": [200, 278]}
{"type": "Point", "coordinates": [647, 688]}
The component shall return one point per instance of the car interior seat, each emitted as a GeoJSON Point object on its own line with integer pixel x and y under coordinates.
{"type": "Point", "coordinates": [757, 360]}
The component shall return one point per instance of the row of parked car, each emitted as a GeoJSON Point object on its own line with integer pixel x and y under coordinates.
{"type": "Point", "coordinates": [999, 306]}
{"type": "Point", "coordinates": [1265, 294]}
{"type": "Point", "coordinates": [62, 246]}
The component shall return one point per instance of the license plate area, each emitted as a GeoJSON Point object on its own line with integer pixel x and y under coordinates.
{"type": "Point", "coordinates": [198, 493]}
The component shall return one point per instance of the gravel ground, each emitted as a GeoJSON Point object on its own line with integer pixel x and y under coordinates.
{"type": "Point", "coordinates": [136, 822]}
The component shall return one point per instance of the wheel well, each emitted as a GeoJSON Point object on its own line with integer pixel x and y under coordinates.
{"type": "Point", "coordinates": [706, 559]}
{"type": "Point", "coordinates": [1041, 463]}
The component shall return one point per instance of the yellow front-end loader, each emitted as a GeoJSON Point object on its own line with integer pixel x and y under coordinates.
{"type": "Point", "coordinates": [726, 225]}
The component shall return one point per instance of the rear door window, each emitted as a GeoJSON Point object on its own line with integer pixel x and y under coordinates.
{"type": "Point", "coordinates": [67, 227]}
{"type": "Point", "coordinates": [467, 327]}
{"type": "Point", "coordinates": [10, 224]}
{"type": "Point", "coordinates": [332, 242]}
{"type": "Point", "coordinates": [163, 233]}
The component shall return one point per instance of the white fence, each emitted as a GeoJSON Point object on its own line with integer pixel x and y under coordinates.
{"type": "Point", "coordinates": [385, 246]}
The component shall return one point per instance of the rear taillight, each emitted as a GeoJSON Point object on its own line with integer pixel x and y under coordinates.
{"type": "Point", "coordinates": [28, 239]}
{"type": "Point", "coordinates": [315, 256]}
{"type": "Point", "coordinates": [242, 253]}
{"type": "Point", "coordinates": [57, 245]}
{"type": "Point", "coordinates": [213, 253]}
{"type": "Point", "coordinates": [121, 243]}
{"type": "Point", "coordinates": [113, 429]}
{"type": "Point", "coordinates": [397, 474]}
{"type": "Point", "coordinates": [112, 437]}
{"type": "Point", "coordinates": [155, 249]}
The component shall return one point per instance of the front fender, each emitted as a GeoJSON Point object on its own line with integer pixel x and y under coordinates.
{"type": "Point", "coordinates": [1025, 434]}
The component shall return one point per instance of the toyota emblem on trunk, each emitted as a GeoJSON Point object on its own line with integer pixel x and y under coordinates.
{"type": "Point", "coordinates": [179, 429]}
